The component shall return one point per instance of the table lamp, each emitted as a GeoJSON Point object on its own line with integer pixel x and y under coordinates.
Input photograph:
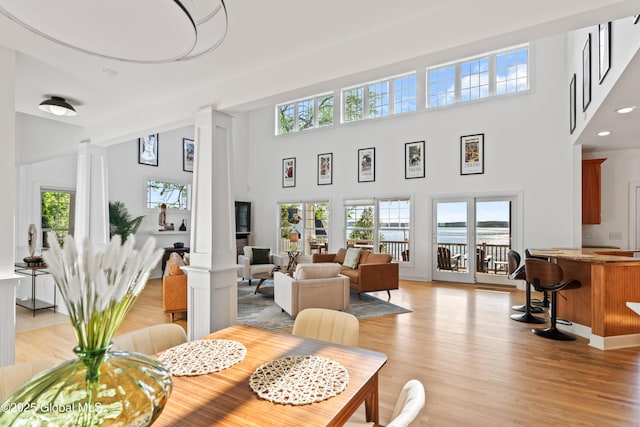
{"type": "Point", "coordinates": [293, 238]}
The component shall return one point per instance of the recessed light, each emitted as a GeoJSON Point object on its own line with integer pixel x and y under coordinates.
{"type": "Point", "coordinates": [604, 133]}
{"type": "Point", "coordinates": [625, 110]}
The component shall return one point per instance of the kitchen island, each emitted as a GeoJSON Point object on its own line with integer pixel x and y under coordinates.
{"type": "Point", "coordinates": [598, 309]}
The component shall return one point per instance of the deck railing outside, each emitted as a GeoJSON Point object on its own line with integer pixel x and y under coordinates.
{"type": "Point", "coordinates": [496, 254]}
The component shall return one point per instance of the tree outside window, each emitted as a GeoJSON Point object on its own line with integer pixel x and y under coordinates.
{"type": "Point", "coordinates": [57, 213]}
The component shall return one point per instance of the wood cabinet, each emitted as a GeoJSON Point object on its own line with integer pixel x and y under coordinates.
{"type": "Point", "coordinates": [591, 188]}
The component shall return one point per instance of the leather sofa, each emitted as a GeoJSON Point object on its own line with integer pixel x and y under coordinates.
{"type": "Point", "coordinates": [373, 272]}
{"type": "Point", "coordinates": [311, 286]}
{"type": "Point", "coordinates": [174, 286]}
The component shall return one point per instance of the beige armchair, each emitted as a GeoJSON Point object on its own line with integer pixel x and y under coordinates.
{"type": "Point", "coordinates": [251, 266]}
{"type": "Point", "coordinates": [13, 376]}
{"type": "Point", "coordinates": [312, 285]}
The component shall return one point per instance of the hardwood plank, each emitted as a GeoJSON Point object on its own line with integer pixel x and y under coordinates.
{"type": "Point", "coordinates": [478, 366]}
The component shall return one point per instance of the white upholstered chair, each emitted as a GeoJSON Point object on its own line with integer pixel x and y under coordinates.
{"type": "Point", "coordinates": [408, 407]}
{"type": "Point", "coordinates": [13, 376]}
{"type": "Point", "coordinates": [150, 340]}
{"type": "Point", "coordinates": [327, 325]}
{"type": "Point", "coordinates": [249, 267]}
{"type": "Point", "coordinates": [317, 285]}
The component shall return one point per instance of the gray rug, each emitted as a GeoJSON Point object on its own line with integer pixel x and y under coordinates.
{"type": "Point", "coordinates": [260, 310]}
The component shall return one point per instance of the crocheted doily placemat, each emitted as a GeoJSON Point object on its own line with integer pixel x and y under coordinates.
{"type": "Point", "coordinates": [201, 357]}
{"type": "Point", "coordinates": [299, 380]}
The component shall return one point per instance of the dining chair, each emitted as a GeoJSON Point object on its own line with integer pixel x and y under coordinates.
{"type": "Point", "coordinates": [13, 376]}
{"type": "Point", "coordinates": [150, 340]}
{"type": "Point", "coordinates": [327, 325]}
{"type": "Point", "coordinates": [408, 407]}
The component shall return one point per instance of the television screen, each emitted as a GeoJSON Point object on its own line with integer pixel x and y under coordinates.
{"type": "Point", "coordinates": [243, 217]}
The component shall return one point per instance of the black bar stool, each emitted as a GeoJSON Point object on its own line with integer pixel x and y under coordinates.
{"type": "Point", "coordinates": [547, 276]}
{"type": "Point", "coordinates": [517, 272]}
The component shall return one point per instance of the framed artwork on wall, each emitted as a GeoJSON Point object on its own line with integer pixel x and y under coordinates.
{"type": "Point", "coordinates": [148, 150]}
{"type": "Point", "coordinates": [604, 49]}
{"type": "Point", "coordinates": [289, 172]}
{"type": "Point", "coordinates": [414, 160]}
{"type": "Point", "coordinates": [325, 169]}
{"type": "Point", "coordinates": [635, 19]}
{"type": "Point", "coordinates": [366, 165]}
{"type": "Point", "coordinates": [572, 104]}
{"type": "Point", "coordinates": [586, 73]}
{"type": "Point", "coordinates": [188, 153]}
{"type": "Point", "coordinates": [472, 154]}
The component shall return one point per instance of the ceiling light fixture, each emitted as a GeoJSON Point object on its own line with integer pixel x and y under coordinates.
{"type": "Point", "coordinates": [604, 133]}
{"type": "Point", "coordinates": [126, 31]}
{"type": "Point", "coordinates": [57, 106]}
{"type": "Point", "coordinates": [625, 110]}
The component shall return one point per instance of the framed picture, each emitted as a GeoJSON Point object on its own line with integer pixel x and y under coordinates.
{"type": "Point", "coordinates": [148, 150]}
{"type": "Point", "coordinates": [414, 160]}
{"type": "Point", "coordinates": [472, 154]}
{"type": "Point", "coordinates": [604, 49]}
{"type": "Point", "coordinates": [635, 19]}
{"type": "Point", "coordinates": [586, 73]}
{"type": "Point", "coordinates": [325, 169]}
{"type": "Point", "coordinates": [572, 104]}
{"type": "Point", "coordinates": [289, 172]}
{"type": "Point", "coordinates": [366, 165]}
{"type": "Point", "coordinates": [188, 153]}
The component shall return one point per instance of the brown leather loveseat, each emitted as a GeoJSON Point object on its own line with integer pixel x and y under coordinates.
{"type": "Point", "coordinates": [373, 272]}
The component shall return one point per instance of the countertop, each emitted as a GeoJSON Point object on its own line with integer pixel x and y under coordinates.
{"type": "Point", "coordinates": [599, 255]}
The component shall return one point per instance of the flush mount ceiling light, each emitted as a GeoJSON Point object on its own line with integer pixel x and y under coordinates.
{"type": "Point", "coordinates": [604, 133]}
{"type": "Point", "coordinates": [142, 31]}
{"type": "Point", "coordinates": [58, 106]}
{"type": "Point", "coordinates": [625, 110]}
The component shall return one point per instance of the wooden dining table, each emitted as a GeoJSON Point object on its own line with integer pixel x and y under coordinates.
{"type": "Point", "coordinates": [225, 398]}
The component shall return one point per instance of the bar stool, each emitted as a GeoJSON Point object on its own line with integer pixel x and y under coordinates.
{"type": "Point", "coordinates": [517, 272]}
{"type": "Point", "coordinates": [547, 276]}
{"type": "Point", "coordinates": [544, 302]}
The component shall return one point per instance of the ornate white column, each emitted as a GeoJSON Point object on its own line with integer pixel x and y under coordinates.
{"type": "Point", "coordinates": [212, 282]}
{"type": "Point", "coordinates": [92, 195]}
{"type": "Point", "coordinates": [8, 279]}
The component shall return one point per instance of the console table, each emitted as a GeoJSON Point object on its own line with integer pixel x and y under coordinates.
{"type": "Point", "coordinates": [34, 304]}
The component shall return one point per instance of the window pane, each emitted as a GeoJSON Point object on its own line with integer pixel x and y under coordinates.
{"type": "Point", "coordinates": [475, 78]}
{"type": "Point", "coordinates": [175, 196]}
{"type": "Point", "coordinates": [393, 227]}
{"type": "Point", "coordinates": [325, 110]}
{"type": "Point", "coordinates": [353, 104]}
{"type": "Point", "coordinates": [285, 118]}
{"type": "Point", "coordinates": [512, 67]}
{"type": "Point", "coordinates": [378, 99]}
{"type": "Point", "coordinates": [305, 114]}
{"type": "Point", "coordinates": [404, 94]}
{"type": "Point", "coordinates": [57, 214]}
{"type": "Point", "coordinates": [442, 86]}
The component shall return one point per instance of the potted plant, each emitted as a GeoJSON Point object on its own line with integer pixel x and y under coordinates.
{"type": "Point", "coordinates": [120, 222]}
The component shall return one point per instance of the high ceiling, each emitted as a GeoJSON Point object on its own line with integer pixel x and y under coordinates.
{"type": "Point", "coordinates": [287, 47]}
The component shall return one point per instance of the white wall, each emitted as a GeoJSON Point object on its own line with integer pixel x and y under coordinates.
{"type": "Point", "coordinates": [526, 150]}
{"type": "Point", "coordinates": [128, 179]}
{"type": "Point", "coordinates": [42, 139]}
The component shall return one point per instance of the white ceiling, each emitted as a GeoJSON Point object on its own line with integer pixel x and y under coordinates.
{"type": "Point", "coordinates": [277, 50]}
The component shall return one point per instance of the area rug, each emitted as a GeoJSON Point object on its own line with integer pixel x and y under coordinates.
{"type": "Point", "coordinates": [259, 309]}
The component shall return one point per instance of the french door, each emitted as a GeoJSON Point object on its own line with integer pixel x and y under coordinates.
{"type": "Point", "coordinates": [471, 238]}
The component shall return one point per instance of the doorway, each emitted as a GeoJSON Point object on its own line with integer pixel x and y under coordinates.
{"type": "Point", "coordinates": [472, 236]}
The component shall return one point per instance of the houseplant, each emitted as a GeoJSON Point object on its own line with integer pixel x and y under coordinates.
{"type": "Point", "coordinates": [120, 221]}
{"type": "Point", "coordinates": [99, 387]}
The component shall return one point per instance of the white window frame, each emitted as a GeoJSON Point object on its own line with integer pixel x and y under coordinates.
{"type": "Point", "coordinates": [296, 117]}
{"type": "Point", "coordinates": [305, 227]}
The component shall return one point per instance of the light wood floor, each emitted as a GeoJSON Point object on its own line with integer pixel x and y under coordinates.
{"type": "Point", "coordinates": [479, 368]}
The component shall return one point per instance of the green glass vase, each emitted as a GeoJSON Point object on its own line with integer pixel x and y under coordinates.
{"type": "Point", "coordinates": [99, 388]}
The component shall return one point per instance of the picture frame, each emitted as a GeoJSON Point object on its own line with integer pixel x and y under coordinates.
{"type": "Point", "coordinates": [604, 50]}
{"type": "Point", "coordinates": [635, 19]}
{"type": "Point", "coordinates": [414, 158]}
{"type": "Point", "coordinates": [367, 165]}
{"type": "Point", "coordinates": [586, 73]}
{"type": "Point", "coordinates": [472, 154]}
{"type": "Point", "coordinates": [148, 150]}
{"type": "Point", "coordinates": [572, 104]}
{"type": "Point", "coordinates": [188, 154]}
{"type": "Point", "coordinates": [289, 172]}
{"type": "Point", "coordinates": [325, 169]}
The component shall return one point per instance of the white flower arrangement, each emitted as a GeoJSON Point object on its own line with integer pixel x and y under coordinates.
{"type": "Point", "coordinates": [99, 288]}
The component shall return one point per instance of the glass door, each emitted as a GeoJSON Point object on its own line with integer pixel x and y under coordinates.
{"type": "Point", "coordinates": [452, 238]}
{"type": "Point", "coordinates": [471, 237]}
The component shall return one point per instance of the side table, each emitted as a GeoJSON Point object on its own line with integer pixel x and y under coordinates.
{"type": "Point", "coordinates": [33, 303]}
{"type": "Point", "coordinates": [293, 260]}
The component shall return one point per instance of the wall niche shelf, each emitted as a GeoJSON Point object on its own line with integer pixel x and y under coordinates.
{"type": "Point", "coordinates": [169, 232]}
